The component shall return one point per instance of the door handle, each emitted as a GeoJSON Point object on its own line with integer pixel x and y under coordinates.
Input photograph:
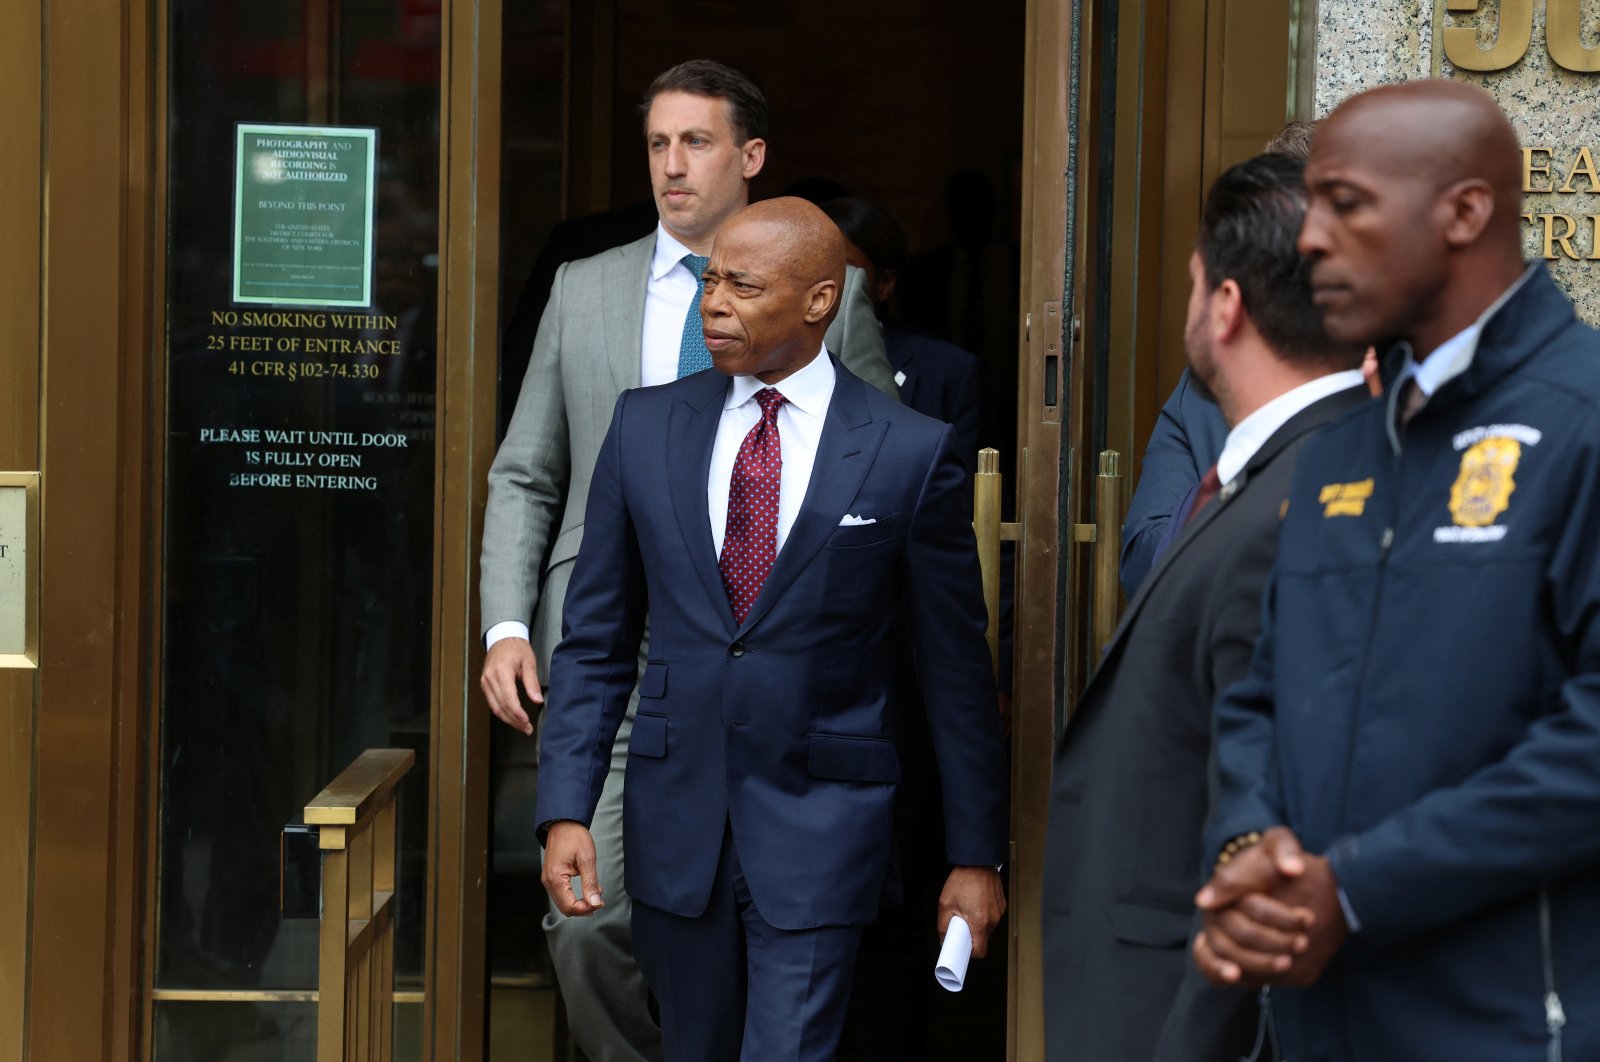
{"type": "Point", "coordinates": [1109, 512]}
{"type": "Point", "coordinates": [990, 531]}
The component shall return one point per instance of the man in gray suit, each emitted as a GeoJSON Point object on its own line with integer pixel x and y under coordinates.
{"type": "Point", "coordinates": [622, 319]}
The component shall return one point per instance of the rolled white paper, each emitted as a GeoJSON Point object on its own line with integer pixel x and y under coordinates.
{"type": "Point", "coordinates": [951, 971]}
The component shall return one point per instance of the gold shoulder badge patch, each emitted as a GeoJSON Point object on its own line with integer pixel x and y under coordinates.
{"type": "Point", "coordinates": [1483, 489]}
{"type": "Point", "coordinates": [1345, 499]}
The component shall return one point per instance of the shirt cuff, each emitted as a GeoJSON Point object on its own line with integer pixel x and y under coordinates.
{"type": "Point", "coordinates": [1350, 919]}
{"type": "Point", "coordinates": [505, 629]}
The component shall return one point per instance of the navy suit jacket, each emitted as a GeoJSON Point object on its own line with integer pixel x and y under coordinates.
{"type": "Point", "coordinates": [1187, 440]}
{"type": "Point", "coordinates": [941, 380]}
{"type": "Point", "coordinates": [779, 727]}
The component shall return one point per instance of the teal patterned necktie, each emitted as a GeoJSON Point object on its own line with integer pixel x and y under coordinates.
{"type": "Point", "coordinates": [693, 356]}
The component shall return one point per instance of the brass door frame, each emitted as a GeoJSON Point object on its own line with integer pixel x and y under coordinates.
{"type": "Point", "coordinates": [1196, 115]}
{"type": "Point", "coordinates": [454, 992]}
{"type": "Point", "coordinates": [21, 366]}
{"type": "Point", "coordinates": [469, 286]}
{"type": "Point", "coordinates": [75, 247]}
{"type": "Point", "coordinates": [80, 399]}
{"type": "Point", "coordinates": [1045, 374]}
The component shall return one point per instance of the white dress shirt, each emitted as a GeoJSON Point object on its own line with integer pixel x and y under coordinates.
{"type": "Point", "coordinates": [1251, 433]}
{"type": "Point", "coordinates": [666, 305]}
{"type": "Point", "coordinates": [800, 421]}
{"type": "Point", "coordinates": [1454, 356]}
{"type": "Point", "coordinates": [667, 295]}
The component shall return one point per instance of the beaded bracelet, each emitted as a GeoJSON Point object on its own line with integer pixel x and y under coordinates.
{"type": "Point", "coordinates": [1237, 845]}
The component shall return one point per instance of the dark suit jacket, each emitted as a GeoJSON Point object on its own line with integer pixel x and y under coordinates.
{"type": "Point", "coordinates": [779, 727]}
{"type": "Point", "coordinates": [1129, 792]}
{"type": "Point", "coordinates": [941, 380]}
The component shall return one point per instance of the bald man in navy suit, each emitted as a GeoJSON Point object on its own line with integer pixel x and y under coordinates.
{"type": "Point", "coordinates": [773, 516]}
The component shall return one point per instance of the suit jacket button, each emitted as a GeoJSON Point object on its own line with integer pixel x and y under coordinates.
{"type": "Point", "coordinates": [736, 649]}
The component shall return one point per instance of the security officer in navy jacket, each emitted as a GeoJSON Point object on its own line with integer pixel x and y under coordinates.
{"type": "Point", "coordinates": [1408, 829]}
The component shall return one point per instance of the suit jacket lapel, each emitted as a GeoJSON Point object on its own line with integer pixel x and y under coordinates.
{"type": "Point", "coordinates": [691, 434]}
{"type": "Point", "coordinates": [627, 280]}
{"type": "Point", "coordinates": [1322, 411]}
{"type": "Point", "coordinates": [845, 452]}
{"type": "Point", "coordinates": [1314, 416]}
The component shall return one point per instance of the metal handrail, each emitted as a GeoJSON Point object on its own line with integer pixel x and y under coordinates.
{"type": "Point", "coordinates": [356, 816]}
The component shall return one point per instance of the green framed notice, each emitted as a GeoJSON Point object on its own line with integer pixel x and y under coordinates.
{"type": "Point", "coordinates": [302, 215]}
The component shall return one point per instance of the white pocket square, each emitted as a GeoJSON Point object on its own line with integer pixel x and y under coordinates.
{"type": "Point", "coordinates": [857, 521]}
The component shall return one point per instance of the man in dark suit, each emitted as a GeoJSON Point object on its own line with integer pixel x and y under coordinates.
{"type": "Point", "coordinates": [933, 377]}
{"type": "Point", "coordinates": [775, 526]}
{"type": "Point", "coordinates": [893, 994]}
{"type": "Point", "coordinates": [1129, 794]}
{"type": "Point", "coordinates": [1186, 440]}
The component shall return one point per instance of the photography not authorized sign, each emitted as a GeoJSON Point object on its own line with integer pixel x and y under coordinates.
{"type": "Point", "coordinates": [302, 225]}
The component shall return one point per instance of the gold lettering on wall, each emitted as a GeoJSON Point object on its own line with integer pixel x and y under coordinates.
{"type": "Point", "coordinates": [1532, 165]}
{"type": "Point", "coordinates": [1583, 164]}
{"type": "Point", "coordinates": [1564, 239]}
{"type": "Point", "coordinates": [1514, 34]}
{"type": "Point", "coordinates": [1571, 234]}
{"type": "Point", "coordinates": [1561, 33]}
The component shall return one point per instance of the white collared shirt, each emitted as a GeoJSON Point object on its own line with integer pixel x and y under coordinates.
{"type": "Point", "coordinates": [1454, 356]}
{"type": "Point", "coordinates": [667, 297]}
{"type": "Point", "coordinates": [800, 420]}
{"type": "Point", "coordinates": [1251, 433]}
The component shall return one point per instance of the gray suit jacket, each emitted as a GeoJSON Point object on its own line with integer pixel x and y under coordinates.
{"type": "Point", "coordinates": [586, 354]}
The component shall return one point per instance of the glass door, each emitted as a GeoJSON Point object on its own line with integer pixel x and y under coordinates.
{"type": "Point", "coordinates": [297, 511]}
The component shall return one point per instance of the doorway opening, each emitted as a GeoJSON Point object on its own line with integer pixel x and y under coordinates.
{"type": "Point", "coordinates": [916, 108]}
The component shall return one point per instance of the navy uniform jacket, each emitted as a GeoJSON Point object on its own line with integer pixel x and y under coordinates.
{"type": "Point", "coordinates": [1424, 705]}
{"type": "Point", "coordinates": [779, 728]}
{"type": "Point", "coordinates": [1186, 440]}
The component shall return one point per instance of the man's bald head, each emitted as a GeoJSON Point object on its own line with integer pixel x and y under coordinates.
{"type": "Point", "coordinates": [806, 236]}
{"type": "Point", "coordinates": [1415, 202]}
{"type": "Point", "coordinates": [772, 288]}
{"type": "Point", "coordinates": [1442, 131]}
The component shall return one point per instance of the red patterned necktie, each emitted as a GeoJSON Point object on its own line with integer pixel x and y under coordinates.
{"type": "Point", "coordinates": [750, 544]}
{"type": "Point", "coordinates": [1210, 487]}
